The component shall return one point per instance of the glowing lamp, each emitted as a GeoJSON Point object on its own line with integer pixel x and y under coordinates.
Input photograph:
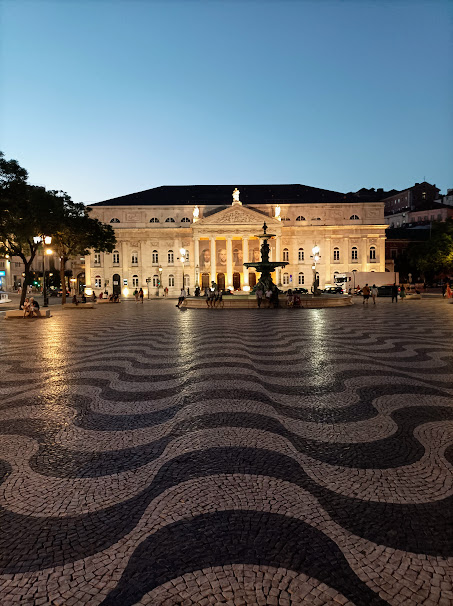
{"type": "Point", "coordinates": [315, 249]}
{"type": "Point", "coordinates": [88, 291]}
{"type": "Point", "coordinates": [48, 240]}
{"type": "Point", "coordinates": [125, 291]}
{"type": "Point", "coordinates": [246, 288]}
{"type": "Point", "coordinates": [49, 251]}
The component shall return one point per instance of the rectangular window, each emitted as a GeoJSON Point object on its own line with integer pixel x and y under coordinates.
{"type": "Point", "coordinates": [301, 254]}
{"type": "Point", "coordinates": [155, 258]}
{"type": "Point", "coordinates": [354, 256]}
{"type": "Point", "coordinates": [135, 281]}
{"type": "Point", "coordinates": [301, 279]}
{"type": "Point", "coordinates": [171, 257]}
{"type": "Point", "coordinates": [97, 282]}
{"type": "Point", "coordinates": [97, 258]}
{"type": "Point", "coordinates": [336, 254]}
{"type": "Point", "coordinates": [116, 258]}
{"type": "Point", "coordinates": [171, 280]}
{"type": "Point", "coordinates": [134, 258]}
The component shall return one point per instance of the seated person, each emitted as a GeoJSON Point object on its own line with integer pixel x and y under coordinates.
{"type": "Point", "coordinates": [34, 308]}
{"type": "Point", "coordinates": [84, 299]}
{"type": "Point", "coordinates": [289, 298]}
{"type": "Point", "coordinates": [26, 307]}
{"type": "Point", "coordinates": [74, 300]}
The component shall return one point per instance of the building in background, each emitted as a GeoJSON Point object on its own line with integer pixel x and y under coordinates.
{"type": "Point", "coordinates": [219, 235]}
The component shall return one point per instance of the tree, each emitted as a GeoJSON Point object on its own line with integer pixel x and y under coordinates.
{"type": "Point", "coordinates": [24, 214]}
{"type": "Point", "coordinates": [75, 233]}
{"type": "Point", "coordinates": [435, 256]}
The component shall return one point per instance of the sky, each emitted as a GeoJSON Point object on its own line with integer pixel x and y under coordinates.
{"type": "Point", "coordinates": [102, 98]}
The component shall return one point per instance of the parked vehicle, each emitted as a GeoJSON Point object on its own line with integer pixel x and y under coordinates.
{"type": "Point", "coordinates": [355, 279]}
{"type": "Point", "coordinates": [301, 291]}
{"type": "Point", "coordinates": [333, 290]}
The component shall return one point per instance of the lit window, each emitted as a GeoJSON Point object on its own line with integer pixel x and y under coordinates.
{"type": "Point", "coordinates": [354, 255]}
{"type": "Point", "coordinates": [135, 281]}
{"type": "Point", "coordinates": [171, 280]}
{"type": "Point", "coordinates": [285, 254]}
{"type": "Point", "coordinates": [155, 257]}
{"type": "Point", "coordinates": [134, 258]}
{"type": "Point", "coordinates": [185, 220]}
{"type": "Point", "coordinates": [186, 281]}
{"type": "Point", "coordinates": [156, 281]}
{"type": "Point", "coordinates": [114, 220]}
{"type": "Point", "coordinates": [301, 254]}
{"type": "Point", "coordinates": [171, 256]}
{"type": "Point", "coordinates": [97, 282]}
{"type": "Point", "coordinates": [300, 218]}
{"type": "Point", "coordinates": [354, 218]}
{"type": "Point", "coordinates": [301, 279]}
{"type": "Point", "coordinates": [336, 254]}
{"type": "Point", "coordinates": [154, 220]}
{"type": "Point", "coordinates": [372, 253]}
{"type": "Point", "coordinates": [169, 220]}
{"type": "Point", "coordinates": [285, 279]}
{"type": "Point", "coordinates": [97, 258]}
{"type": "Point", "coordinates": [116, 257]}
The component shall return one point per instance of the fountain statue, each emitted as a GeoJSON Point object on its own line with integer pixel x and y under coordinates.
{"type": "Point", "coordinates": [265, 266]}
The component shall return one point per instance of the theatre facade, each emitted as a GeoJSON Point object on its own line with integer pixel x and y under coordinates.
{"type": "Point", "coordinates": [217, 228]}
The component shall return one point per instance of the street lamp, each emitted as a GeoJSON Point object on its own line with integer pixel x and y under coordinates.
{"type": "Point", "coordinates": [46, 240]}
{"type": "Point", "coordinates": [159, 284]}
{"type": "Point", "coordinates": [316, 256]}
{"type": "Point", "coordinates": [183, 260]}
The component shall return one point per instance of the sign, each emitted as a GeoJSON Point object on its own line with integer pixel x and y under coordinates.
{"type": "Point", "coordinates": [2, 273]}
{"type": "Point", "coordinates": [148, 279]}
{"type": "Point", "coordinates": [125, 282]}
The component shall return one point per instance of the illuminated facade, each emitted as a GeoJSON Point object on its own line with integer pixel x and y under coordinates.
{"type": "Point", "coordinates": [217, 227]}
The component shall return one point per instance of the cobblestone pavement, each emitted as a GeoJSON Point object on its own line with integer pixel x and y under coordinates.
{"type": "Point", "coordinates": [155, 456]}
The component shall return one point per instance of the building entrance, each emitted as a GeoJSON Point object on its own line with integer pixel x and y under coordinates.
{"type": "Point", "coordinates": [204, 281]}
{"type": "Point", "coordinates": [221, 281]}
{"type": "Point", "coordinates": [237, 281]}
{"type": "Point", "coordinates": [252, 279]}
{"type": "Point", "coordinates": [116, 284]}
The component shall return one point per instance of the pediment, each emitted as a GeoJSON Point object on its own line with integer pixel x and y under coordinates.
{"type": "Point", "coordinates": [237, 215]}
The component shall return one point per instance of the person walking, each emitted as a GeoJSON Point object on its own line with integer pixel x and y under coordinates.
{"type": "Point", "coordinates": [444, 290]}
{"type": "Point", "coordinates": [366, 294]}
{"type": "Point", "coordinates": [136, 295]}
{"type": "Point", "coordinates": [259, 295]}
{"type": "Point", "coordinates": [394, 292]}
{"type": "Point", "coordinates": [402, 292]}
{"type": "Point", "coordinates": [269, 297]}
{"type": "Point", "coordinates": [140, 295]}
{"type": "Point", "coordinates": [166, 291]}
{"type": "Point", "coordinates": [374, 293]}
{"type": "Point", "coordinates": [182, 296]}
{"type": "Point", "coordinates": [448, 291]}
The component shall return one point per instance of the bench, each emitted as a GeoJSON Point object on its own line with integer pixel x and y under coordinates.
{"type": "Point", "coordinates": [19, 313]}
{"type": "Point", "coordinates": [89, 305]}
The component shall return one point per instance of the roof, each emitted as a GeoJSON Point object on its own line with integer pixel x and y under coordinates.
{"type": "Point", "coordinates": [171, 195]}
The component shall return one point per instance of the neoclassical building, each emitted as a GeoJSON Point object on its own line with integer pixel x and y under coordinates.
{"type": "Point", "coordinates": [216, 225]}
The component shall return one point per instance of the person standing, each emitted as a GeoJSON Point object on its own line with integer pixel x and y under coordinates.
{"type": "Point", "coordinates": [449, 291]}
{"type": "Point", "coordinates": [366, 294]}
{"type": "Point", "coordinates": [374, 293]}
{"type": "Point", "coordinates": [402, 292]}
{"type": "Point", "coordinates": [269, 297]}
{"type": "Point", "coordinates": [166, 291]}
{"type": "Point", "coordinates": [136, 295]}
{"type": "Point", "coordinates": [444, 290]}
{"type": "Point", "coordinates": [182, 296]}
{"type": "Point", "coordinates": [394, 292]}
{"type": "Point", "coordinates": [259, 295]}
{"type": "Point", "coordinates": [140, 295]}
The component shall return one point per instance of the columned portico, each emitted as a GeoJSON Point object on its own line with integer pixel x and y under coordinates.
{"type": "Point", "coordinates": [213, 263]}
{"type": "Point", "coordinates": [229, 262]}
{"type": "Point", "coordinates": [197, 256]}
{"type": "Point", "coordinates": [245, 253]}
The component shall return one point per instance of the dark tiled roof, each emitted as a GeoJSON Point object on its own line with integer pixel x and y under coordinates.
{"type": "Point", "coordinates": [169, 195]}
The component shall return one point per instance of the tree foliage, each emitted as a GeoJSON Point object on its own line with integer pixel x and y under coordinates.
{"type": "Point", "coordinates": [435, 256]}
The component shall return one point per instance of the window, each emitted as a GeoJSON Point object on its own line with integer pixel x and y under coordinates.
{"type": "Point", "coordinates": [354, 218]}
{"type": "Point", "coordinates": [171, 280]}
{"type": "Point", "coordinates": [354, 256]}
{"type": "Point", "coordinates": [186, 281]}
{"type": "Point", "coordinates": [285, 254]}
{"type": "Point", "coordinates": [372, 253]}
{"type": "Point", "coordinates": [185, 220]}
{"type": "Point", "coordinates": [286, 219]}
{"type": "Point", "coordinates": [154, 220]}
{"type": "Point", "coordinates": [336, 254]}
{"type": "Point", "coordinates": [116, 257]}
{"type": "Point", "coordinates": [186, 256]}
{"type": "Point", "coordinates": [285, 279]}
{"type": "Point", "coordinates": [134, 258]}
{"type": "Point", "coordinates": [114, 220]}
{"type": "Point", "coordinates": [301, 279]}
{"type": "Point", "coordinates": [135, 281]}
{"type": "Point", "coordinates": [169, 220]}
{"type": "Point", "coordinates": [171, 257]}
{"type": "Point", "coordinates": [301, 254]}
{"type": "Point", "coordinates": [316, 219]}
{"type": "Point", "coordinates": [97, 258]}
{"type": "Point", "coordinates": [155, 257]}
{"type": "Point", "coordinates": [97, 282]}
{"type": "Point", "coordinates": [156, 281]}
{"type": "Point", "coordinates": [393, 253]}
{"type": "Point", "coordinates": [300, 218]}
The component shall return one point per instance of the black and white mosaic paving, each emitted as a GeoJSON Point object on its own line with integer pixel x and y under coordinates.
{"type": "Point", "coordinates": [156, 456]}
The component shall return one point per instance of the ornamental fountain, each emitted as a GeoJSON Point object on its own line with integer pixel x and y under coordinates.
{"type": "Point", "coordinates": [265, 267]}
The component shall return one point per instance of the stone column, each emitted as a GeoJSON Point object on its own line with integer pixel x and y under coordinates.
{"type": "Point", "coordinates": [213, 267]}
{"type": "Point", "coordinates": [229, 247]}
{"type": "Point", "coordinates": [327, 256]}
{"type": "Point", "coordinates": [278, 254]}
{"type": "Point", "coordinates": [196, 255]}
{"type": "Point", "coordinates": [245, 258]}
{"type": "Point", "coordinates": [88, 271]}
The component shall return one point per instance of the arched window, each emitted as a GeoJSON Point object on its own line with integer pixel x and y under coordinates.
{"type": "Point", "coordinates": [169, 220]}
{"type": "Point", "coordinates": [171, 280]}
{"type": "Point", "coordinates": [155, 257]}
{"type": "Point", "coordinates": [114, 220]}
{"type": "Point", "coordinates": [372, 253]}
{"type": "Point", "coordinates": [336, 254]}
{"type": "Point", "coordinates": [116, 257]}
{"type": "Point", "coordinates": [285, 254]}
{"type": "Point", "coordinates": [185, 220]}
{"type": "Point", "coordinates": [134, 258]}
{"type": "Point", "coordinates": [354, 218]}
{"type": "Point", "coordinates": [300, 218]}
{"type": "Point", "coordinates": [285, 279]}
{"type": "Point", "coordinates": [301, 254]}
{"type": "Point", "coordinates": [154, 220]}
{"type": "Point", "coordinates": [186, 281]}
{"type": "Point", "coordinates": [156, 281]}
{"type": "Point", "coordinates": [135, 281]}
{"type": "Point", "coordinates": [301, 278]}
{"type": "Point", "coordinates": [97, 282]}
{"type": "Point", "coordinates": [171, 257]}
{"type": "Point", "coordinates": [354, 253]}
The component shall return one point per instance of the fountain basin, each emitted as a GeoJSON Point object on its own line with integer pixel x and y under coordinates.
{"type": "Point", "coordinates": [249, 302]}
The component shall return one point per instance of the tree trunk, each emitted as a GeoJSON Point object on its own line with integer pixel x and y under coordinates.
{"type": "Point", "coordinates": [62, 280]}
{"type": "Point", "coordinates": [27, 282]}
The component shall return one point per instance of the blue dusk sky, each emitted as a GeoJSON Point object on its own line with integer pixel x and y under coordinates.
{"type": "Point", "coordinates": [104, 98]}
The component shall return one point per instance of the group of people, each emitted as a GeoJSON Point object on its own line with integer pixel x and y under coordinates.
{"type": "Point", "coordinates": [270, 296]}
{"type": "Point", "coordinates": [292, 299]}
{"type": "Point", "coordinates": [83, 299]}
{"type": "Point", "coordinates": [138, 294]}
{"type": "Point", "coordinates": [214, 297]}
{"type": "Point", "coordinates": [31, 308]}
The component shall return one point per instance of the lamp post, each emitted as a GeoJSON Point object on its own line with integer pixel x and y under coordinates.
{"type": "Point", "coordinates": [183, 260]}
{"type": "Point", "coordinates": [46, 240]}
{"type": "Point", "coordinates": [159, 283]}
{"type": "Point", "coordinates": [316, 256]}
